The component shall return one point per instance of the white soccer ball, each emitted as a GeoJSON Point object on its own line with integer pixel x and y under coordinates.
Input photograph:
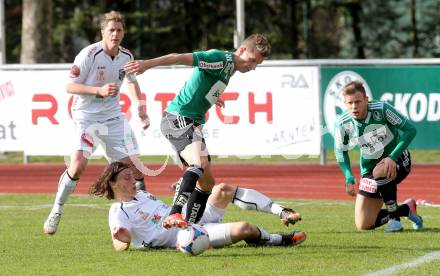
{"type": "Point", "coordinates": [192, 240]}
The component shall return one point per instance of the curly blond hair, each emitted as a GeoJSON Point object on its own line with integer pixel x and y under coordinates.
{"type": "Point", "coordinates": [259, 42]}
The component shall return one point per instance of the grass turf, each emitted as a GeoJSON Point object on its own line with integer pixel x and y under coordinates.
{"type": "Point", "coordinates": [82, 245]}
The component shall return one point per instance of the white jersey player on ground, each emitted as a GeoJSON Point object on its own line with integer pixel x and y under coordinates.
{"type": "Point", "coordinates": [95, 79]}
{"type": "Point", "coordinates": [136, 219]}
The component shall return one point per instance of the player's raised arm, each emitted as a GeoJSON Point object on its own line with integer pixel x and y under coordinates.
{"type": "Point", "coordinates": [139, 66]}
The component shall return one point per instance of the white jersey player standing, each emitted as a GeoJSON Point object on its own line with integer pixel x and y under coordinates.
{"type": "Point", "coordinates": [136, 219]}
{"type": "Point", "coordinates": [95, 79]}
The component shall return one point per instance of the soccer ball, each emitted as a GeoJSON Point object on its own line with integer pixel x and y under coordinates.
{"type": "Point", "coordinates": [192, 240]}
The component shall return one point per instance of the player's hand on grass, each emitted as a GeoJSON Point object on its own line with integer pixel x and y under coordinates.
{"type": "Point", "coordinates": [121, 234]}
{"type": "Point", "coordinates": [108, 90]}
{"type": "Point", "coordinates": [351, 189]}
{"type": "Point", "coordinates": [135, 67]}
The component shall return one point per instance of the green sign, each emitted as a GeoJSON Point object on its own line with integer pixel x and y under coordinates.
{"type": "Point", "coordinates": [413, 90]}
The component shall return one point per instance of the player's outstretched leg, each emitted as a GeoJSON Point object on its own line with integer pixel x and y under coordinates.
{"type": "Point", "coordinates": [66, 186]}
{"type": "Point", "coordinates": [293, 238]}
{"type": "Point", "coordinates": [249, 199]}
{"type": "Point", "coordinates": [416, 220]}
{"type": "Point", "coordinates": [183, 192]}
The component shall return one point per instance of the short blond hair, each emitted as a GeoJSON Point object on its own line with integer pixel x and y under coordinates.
{"type": "Point", "coordinates": [353, 87]}
{"type": "Point", "coordinates": [111, 16]}
{"type": "Point", "coordinates": [259, 42]}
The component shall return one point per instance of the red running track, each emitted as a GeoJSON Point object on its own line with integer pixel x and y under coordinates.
{"type": "Point", "coordinates": [275, 180]}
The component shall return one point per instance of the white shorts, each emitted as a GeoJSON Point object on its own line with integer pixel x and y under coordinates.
{"type": "Point", "coordinates": [114, 135]}
{"type": "Point", "coordinates": [219, 233]}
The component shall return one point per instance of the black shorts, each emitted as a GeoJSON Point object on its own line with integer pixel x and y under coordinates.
{"type": "Point", "coordinates": [403, 169]}
{"type": "Point", "coordinates": [181, 131]}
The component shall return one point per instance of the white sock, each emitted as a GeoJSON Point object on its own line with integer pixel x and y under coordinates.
{"type": "Point", "coordinates": [249, 199]}
{"type": "Point", "coordinates": [269, 239]}
{"type": "Point", "coordinates": [275, 239]}
{"type": "Point", "coordinates": [66, 186]}
{"type": "Point", "coordinates": [276, 209]}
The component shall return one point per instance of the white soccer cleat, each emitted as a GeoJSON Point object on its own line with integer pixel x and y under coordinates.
{"type": "Point", "coordinates": [51, 224]}
{"type": "Point", "coordinates": [393, 226]}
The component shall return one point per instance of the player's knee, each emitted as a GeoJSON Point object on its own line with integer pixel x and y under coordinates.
{"type": "Point", "coordinates": [204, 162]}
{"type": "Point", "coordinates": [224, 190]}
{"type": "Point", "coordinates": [362, 225]}
{"type": "Point", "coordinates": [379, 171]}
{"type": "Point", "coordinates": [206, 183]}
{"type": "Point", "coordinates": [247, 229]}
{"type": "Point", "coordinates": [75, 170]}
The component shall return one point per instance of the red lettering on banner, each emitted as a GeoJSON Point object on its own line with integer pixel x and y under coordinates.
{"type": "Point", "coordinates": [164, 98]}
{"type": "Point", "coordinates": [265, 107]}
{"type": "Point", "coordinates": [48, 113]}
{"type": "Point", "coordinates": [231, 96]}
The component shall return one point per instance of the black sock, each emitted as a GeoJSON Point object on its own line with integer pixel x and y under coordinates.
{"type": "Point", "coordinates": [189, 180]}
{"type": "Point", "coordinates": [196, 205]}
{"type": "Point", "coordinates": [389, 196]}
{"type": "Point", "coordinates": [254, 241]}
{"type": "Point", "coordinates": [403, 210]}
{"type": "Point", "coordinates": [382, 218]}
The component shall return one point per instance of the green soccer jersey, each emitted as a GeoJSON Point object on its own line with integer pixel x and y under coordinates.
{"type": "Point", "coordinates": [383, 133]}
{"type": "Point", "coordinates": [211, 74]}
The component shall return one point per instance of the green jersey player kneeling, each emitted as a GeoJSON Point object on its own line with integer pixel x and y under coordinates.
{"type": "Point", "coordinates": [383, 135]}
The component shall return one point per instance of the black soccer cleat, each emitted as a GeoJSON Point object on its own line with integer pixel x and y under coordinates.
{"type": "Point", "coordinates": [293, 238]}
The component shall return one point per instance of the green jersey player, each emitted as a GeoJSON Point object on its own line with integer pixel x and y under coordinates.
{"type": "Point", "coordinates": [383, 136]}
{"type": "Point", "coordinates": [184, 117]}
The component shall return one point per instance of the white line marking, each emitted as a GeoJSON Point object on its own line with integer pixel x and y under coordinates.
{"type": "Point", "coordinates": [43, 206]}
{"type": "Point", "coordinates": [299, 202]}
{"type": "Point", "coordinates": [435, 255]}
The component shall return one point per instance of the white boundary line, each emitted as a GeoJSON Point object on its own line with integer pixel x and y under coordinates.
{"type": "Point", "coordinates": [432, 256]}
{"type": "Point", "coordinates": [43, 206]}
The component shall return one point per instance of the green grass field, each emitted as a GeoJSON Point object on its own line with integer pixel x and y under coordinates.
{"type": "Point", "coordinates": [82, 245]}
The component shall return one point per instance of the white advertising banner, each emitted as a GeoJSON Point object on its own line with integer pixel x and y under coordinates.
{"type": "Point", "coordinates": [269, 111]}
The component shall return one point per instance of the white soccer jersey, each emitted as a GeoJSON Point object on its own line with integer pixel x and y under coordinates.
{"type": "Point", "coordinates": [93, 67]}
{"type": "Point", "coordinates": [143, 217]}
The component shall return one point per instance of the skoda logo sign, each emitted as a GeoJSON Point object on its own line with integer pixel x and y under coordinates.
{"type": "Point", "coordinates": [333, 100]}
